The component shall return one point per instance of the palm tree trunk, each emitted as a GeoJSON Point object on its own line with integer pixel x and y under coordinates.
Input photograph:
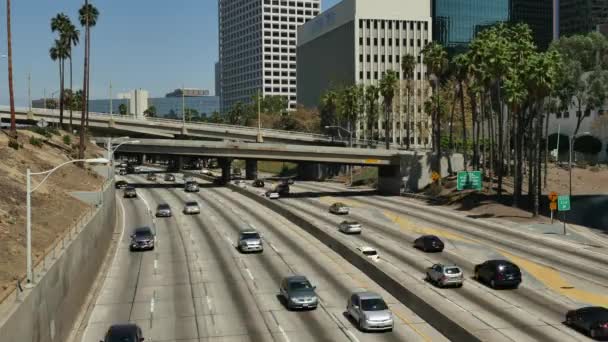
{"type": "Point", "coordinates": [386, 129]}
{"type": "Point", "coordinates": [61, 90]}
{"type": "Point", "coordinates": [501, 157]}
{"type": "Point", "coordinates": [10, 70]}
{"type": "Point", "coordinates": [451, 135]}
{"type": "Point", "coordinates": [464, 125]}
{"type": "Point", "coordinates": [88, 44]}
{"type": "Point", "coordinates": [546, 149]}
{"type": "Point", "coordinates": [84, 90]}
{"type": "Point", "coordinates": [408, 117]}
{"type": "Point", "coordinates": [72, 96]}
{"type": "Point", "coordinates": [517, 160]}
{"type": "Point", "coordinates": [538, 161]}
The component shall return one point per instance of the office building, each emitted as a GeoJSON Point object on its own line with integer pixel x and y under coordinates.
{"type": "Point", "coordinates": [457, 22]}
{"type": "Point", "coordinates": [581, 16]}
{"type": "Point", "coordinates": [356, 42]}
{"type": "Point", "coordinates": [257, 47]}
{"type": "Point", "coordinates": [218, 80]}
{"type": "Point", "coordinates": [188, 92]}
{"type": "Point", "coordinates": [137, 100]}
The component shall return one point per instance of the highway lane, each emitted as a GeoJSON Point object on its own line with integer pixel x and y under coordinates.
{"type": "Point", "coordinates": [220, 221]}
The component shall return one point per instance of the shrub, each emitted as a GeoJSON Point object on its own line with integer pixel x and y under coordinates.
{"type": "Point", "coordinates": [45, 132]}
{"type": "Point", "coordinates": [588, 144]}
{"type": "Point", "coordinates": [594, 168]}
{"type": "Point", "coordinates": [563, 142]}
{"type": "Point", "coordinates": [13, 143]}
{"type": "Point", "coordinates": [36, 142]}
{"type": "Point", "coordinates": [582, 164]}
{"type": "Point", "coordinates": [67, 139]}
{"type": "Point", "coordinates": [52, 130]}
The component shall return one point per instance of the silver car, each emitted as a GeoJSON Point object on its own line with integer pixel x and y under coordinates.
{"type": "Point", "coordinates": [298, 293]}
{"type": "Point", "coordinates": [350, 227]}
{"type": "Point", "coordinates": [249, 241]}
{"type": "Point", "coordinates": [370, 311]}
{"type": "Point", "coordinates": [191, 208]}
{"type": "Point", "coordinates": [445, 275]}
{"type": "Point", "coordinates": [191, 187]}
{"type": "Point", "coordinates": [339, 209]}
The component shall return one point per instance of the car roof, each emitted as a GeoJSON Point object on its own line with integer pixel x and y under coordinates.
{"type": "Point", "coordinates": [143, 230]}
{"type": "Point", "coordinates": [368, 295]}
{"type": "Point", "coordinates": [429, 237]}
{"type": "Point", "coordinates": [192, 203]}
{"type": "Point", "coordinates": [246, 231]}
{"type": "Point", "coordinates": [366, 249]}
{"type": "Point", "coordinates": [500, 262]}
{"type": "Point", "coordinates": [124, 327]}
{"type": "Point", "coordinates": [593, 309]}
{"type": "Point", "coordinates": [163, 205]}
{"type": "Point", "coordinates": [296, 278]}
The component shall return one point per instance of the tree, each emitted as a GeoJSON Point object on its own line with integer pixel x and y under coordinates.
{"type": "Point", "coordinates": [88, 15]}
{"type": "Point", "coordinates": [191, 114]}
{"type": "Point", "coordinates": [462, 67]}
{"type": "Point", "coordinates": [408, 64]}
{"type": "Point", "coordinates": [215, 117]}
{"type": "Point", "coordinates": [372, 94]}
{"type": "Point", "coordinates": [236, 114]}
{"type": "Point", "coordinates": [328, 108]}
{"type": "Point", "coordinates": [588, 144]}
{"type": "Point", "coordinates": [150, 111]}
{"type": "Point", "coordinates": [348, 107]}
{"type": "Point", "coordinates": [435, 58]}
{"type": "Point", "coordinates": [59, 52]}
{"type": "Point", "coordinates": [10, 70]}
{"type": "Point", "coordinates": [122, 109]}
{"type": "Point", "coordinates": [72, 35]}
{"type": "Point", "coordinates": [388, 85]}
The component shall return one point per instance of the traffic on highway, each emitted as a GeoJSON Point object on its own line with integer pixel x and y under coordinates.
{"type": "Point", "coordinates": [200, 261]}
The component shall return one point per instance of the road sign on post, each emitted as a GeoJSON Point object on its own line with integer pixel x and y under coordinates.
{"type": "Point", "coordinates": [553, 205]}
{"type": "Point", "coordinates": [563, 203]}
{"type": "Point", "coordinates": [469, 180]}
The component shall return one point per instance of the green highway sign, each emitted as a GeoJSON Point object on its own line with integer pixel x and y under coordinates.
{"type": "Point", "coordinates": [469, 180]}
{"type": "Point", "coordinates": [563, 203]}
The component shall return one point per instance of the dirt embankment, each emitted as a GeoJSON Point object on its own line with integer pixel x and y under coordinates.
{"type": "Point", "coordinates": [54, 210]}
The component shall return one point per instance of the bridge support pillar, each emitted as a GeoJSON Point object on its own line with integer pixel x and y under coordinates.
{"type": "Point", "coordinates": [251, 169]}
{"type": "Point", "coordinates": [225, 164]}
{"type": "Point", "coordinates": [313, 171]}
{"type": "Point", "coordinates": [389, 180]}
{"type": "Point", "coordinates": [179, 163]}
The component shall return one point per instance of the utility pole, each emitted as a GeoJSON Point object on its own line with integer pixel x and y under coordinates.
{"type": "Point", "coordinates": [259, 139]}
{"type": "Point", "coordinates": [183, 107]}
{"type": "Point", "coordinates": [111, 108]}
{"type": "Point", "coordinates": [29, 92]}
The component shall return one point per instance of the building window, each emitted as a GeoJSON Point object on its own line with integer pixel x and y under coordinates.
{"type": "Point", "coordinates": [361, 58]}
{"type": "Point", "coordinates": [369, 75]}
{"type": "Point", "coordinates": [367, 41]}
{"type": "Point", "coordinates": [369, 58]}
{"type": "Point", "coordinates": [390, 58]}
{"type": "Point", "coordinates": [558, 115]}
{"type": "Point", "coordinates": [375, 58]}
{"type": "Point", "coordinates": [360, 40]}
{"type": "Point", "coordinates": [375, 41]}
{"type": "Point", "coordinates": [566, 114]}
{"type": "Point", "coordinates": [360, 75]}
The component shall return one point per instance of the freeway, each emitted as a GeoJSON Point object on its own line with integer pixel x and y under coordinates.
{"type": "Point", "coordinates": [535, 311]}
{"type": "Point", "coordinates": [195, 286]}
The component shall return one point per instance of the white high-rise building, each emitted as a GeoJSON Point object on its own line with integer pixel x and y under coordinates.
{"type": "Point", "coordinates": [257, 47]}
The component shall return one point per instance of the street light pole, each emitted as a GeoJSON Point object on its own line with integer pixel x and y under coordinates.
{"type": "Point", "coordinates": [260, 139]}
{"type": "Point", "coordinates": [28, 223]}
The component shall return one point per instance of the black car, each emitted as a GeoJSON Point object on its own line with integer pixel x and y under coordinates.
{"type": "Point", "coordinates": [498, 273]}
{"type": "Point", "coordinates": [121, 184]}
{"type": "Point", "coordinates": [429, 243]}
{"type": "Point", "coordinates": [124, 333]}
{"type": "Point", "coordinates": [130, 192]}
{"type": "Point", "coordinates": [219, 181]}
{"type": "Point", "coordinates": [151, 177]}
{"type": "Point", "coordinates": [169, 178]}
{"type": "Point", "coordinates": [142, 239]}
{"type": "Point", "coordinates": [282, 189]}
{"type": "Point", "coordinates": [163, 210]}
{"type": "Point", "coordinates": [258, 183]}
{"type": "Point", "coordinates": [592, 320]}
{"type": "Point", "coordinates": [130, 169]}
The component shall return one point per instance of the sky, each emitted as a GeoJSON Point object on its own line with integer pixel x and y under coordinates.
{"type": "Point", "coordinates": [150, 44]}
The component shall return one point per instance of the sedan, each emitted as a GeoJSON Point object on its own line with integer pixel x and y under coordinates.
{"type": "Point", "coordinates": [271, 194]}
{"type": "Point", "coordinates": [151, 177]}
{"type": "Point", "coordinates": [169, 178]}
{"type": "Point", "coordinates": [339, 209]}
{"type": "Point", "coordinates": [130, 192]}
{"type": "Point", "coordinates": [191, 187]}
{"type": "Point", "coordinates": [163, 210]}
{"type": "Point", "coordinates": [122, 172]}
{"type": "Point", "coordinates": [298, 293]}
{"type": "Point", "coordinates": [142, 239]}
{"type": "Point", "coordinates": [592, 320]}
{"type": "Point", "coordinates": [369, 252]}
{"type": "Point", "coordinates": [121, 184]}
{"type": "Point", "coordinates": [350, 227]}
{"type": "Point", "coordinates": [191, 208]}
{"type": "Point", "coordinates": [445, 275]}
{"type": "Point", "coordinates": [258, 183]}
{"type": "Point", "coordinates": [370, 311]}
{"type": "Point", "coordinates": [429, 243]}
{"type": "Point", "coordinates": [124, 333]}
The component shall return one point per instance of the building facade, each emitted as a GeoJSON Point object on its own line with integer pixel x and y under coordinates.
{"type": "Point", "coordinates": [188, 92]}
{"type": "Point", "coordinates": [594, 123]}
{"type": "Point", "coordinates": [581, 16]}
{"type": "Point", "coordinates": [457, 22]}
{"type": "Point", "coordinates": [356, 42]}
{"type": "Point", "coordinates": [257, 47]}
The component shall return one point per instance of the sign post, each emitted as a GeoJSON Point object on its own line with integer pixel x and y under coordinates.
{"type": "Point", "coordinates": [469, 180]}
{"type": "Point", "coordinates": [553, 203]}
{"type": "Point", "coordinates": [563, 205]}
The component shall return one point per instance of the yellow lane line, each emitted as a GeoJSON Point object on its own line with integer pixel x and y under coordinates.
{"type": "Point", "coordinates": [329, 200]}
{"type": "Point", "coordinates": [412, 326]}
{"type": "Point", "coordinates": [408, 225]}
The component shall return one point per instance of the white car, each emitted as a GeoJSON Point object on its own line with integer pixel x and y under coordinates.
{"type": "Point", "coordinates": [272, 194]}
{"type": "Point", "coordinates": [240, 183]}
{"type": "Point", "coordinates": [369, 252]}
{"type": "Point", "coordinates": [350, 227]}
{"type": "Point", "coordinates": [206, 172]}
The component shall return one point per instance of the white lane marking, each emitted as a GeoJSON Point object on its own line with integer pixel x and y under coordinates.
{"type": "Point", "coordinates": [249, 273]}
{"type": "Point", "coordinates": [122, 233]}
{"type": "Point", "coordinates": [276, 250]}
{"type": "Point", "coordinates": [209, 304]}
{"type": "Point", "coordinates": [155, 265]}
{"type": "Point", "coordinates": [152, 302]}
{"type": "Point", "coordinates": [351, 335]}
{"type": "Point", "coordinates": [283, 333]}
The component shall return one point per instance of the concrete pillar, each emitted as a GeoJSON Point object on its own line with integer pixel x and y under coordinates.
{"type": "Point", "coordinates": [389, 180]}
{"type": "Point", "coordinates": [144, 158]}
{"type": "Point", "coordinates": [179, 163]}
{"type": "Point", "coordinates": [225, 164]}
{"type": "Point", "coordinates": [251, 169]}
{"type": "Point", "coordinates": [313, 171]}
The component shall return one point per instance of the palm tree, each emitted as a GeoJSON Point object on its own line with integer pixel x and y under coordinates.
{"type": "Point", "coordinates": [388, 84]}
{"type": "Point", "coordinates": [88, 15]}
{"type": "Point", "coordinates": [59, 52]}
{"type": "Point", "coordinates": [10, 70]}
{"type": "Point", "coordinates": [461, 66]}
{"type": "Point", "coordinates": [408, 64]}
{"type": "Point", "coordinates": [72, 36]}
{"type": "Point", "coordinates": [372, 93]}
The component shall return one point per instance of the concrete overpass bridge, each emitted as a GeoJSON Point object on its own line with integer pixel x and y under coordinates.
{"type": "Point", "coordinates": [396, 168]}
{"type": "Point", "coordinates": [165, 128]}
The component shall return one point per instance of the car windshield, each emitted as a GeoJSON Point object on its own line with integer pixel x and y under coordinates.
{"type": "Point", "coordinates": [121, 336]}
{"type": "Point", "coordinates": [339, 205]}
{"type": "Point", "coordinates": [370, 252]}
{"type": "Point", "coordinates": [191, 204]}
{"type": "Point", "coordinates": [130, 188]}
{"type": "Point", "coordinates": [300, 285]}
{"type": "Point", "coordinates": [452, 270]}
{"type": "Point", "coordinates": [351, 223]}
{"type": "Point", "coordinates": [163, 206]}
{"type": "Point", "coordinates": [509, 269]}
{"type": "Point", "coordinates": [246, 236]}
{"type": "Point", "coordinates": [373, 304]}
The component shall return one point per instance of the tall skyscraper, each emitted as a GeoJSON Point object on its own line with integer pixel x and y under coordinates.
{"type": "Point", "coordinates": [257, 47]}
{"type": "Point", "coordinates": [581, 16]}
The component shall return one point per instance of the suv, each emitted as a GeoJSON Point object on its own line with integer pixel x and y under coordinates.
{"type": "Point", "coordinates": [298, 293]}
{"type": "Point", "coordinates": [444, 275]}
{"type": "Point", "coordinates": [191, 187]}
{"type": "Point", "coordinates": [429, 243]}
{"type": "Point", "coordinates": [142, 239]}
{"type": "Point", "coordinates": [282, 189]}
{"type": "Point", "coordinates": [498, 273]}
{"type": "Point", "coordinates": [163, 210]}
{"type": "Point", "coordinates": [130, 192]}
{"type": "Point", "coordinates": [124, 333]}
{"type": "Point", "coordinates": [370, 311]}
{"type": "Point", "coordinates": [249, 241]}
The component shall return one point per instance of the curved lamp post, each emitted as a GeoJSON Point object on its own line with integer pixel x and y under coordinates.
{"type": "Point", "coordinates": [29, 190]}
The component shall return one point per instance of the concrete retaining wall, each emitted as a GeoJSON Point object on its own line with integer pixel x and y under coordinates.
{"type": "Point", "coordinates": [47, 312]}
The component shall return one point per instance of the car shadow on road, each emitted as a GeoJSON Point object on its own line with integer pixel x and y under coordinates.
{"type": "Point", "coordinates": [169, 185]}
{"type": "Point", "coordinates": [315, 194]}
